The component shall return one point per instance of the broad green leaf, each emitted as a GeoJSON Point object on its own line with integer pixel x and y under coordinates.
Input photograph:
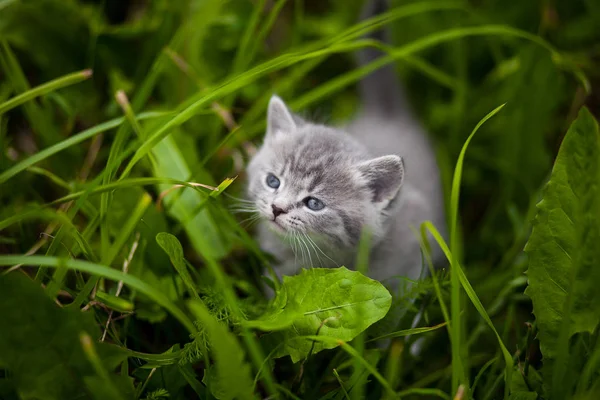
{"type": "Point", "coordinates": [323, 301]}
{"type": "Point", "coordinates": [232, 379]}
{"type": "Point", "coordinates": [563, 251]}
{"type": "Point", "coordinates": [172, 247]}
{"type": "Point", "coordinates": [40, 346]}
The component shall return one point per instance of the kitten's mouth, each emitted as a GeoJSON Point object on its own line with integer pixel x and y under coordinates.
{"type": "Point", "coordinates": [277, 225]}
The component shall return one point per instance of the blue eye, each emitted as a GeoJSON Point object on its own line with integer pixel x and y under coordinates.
{"type": "Point", "coordinates": [272, 181]}
{"type": "Point", "coordinates": [314, 204]}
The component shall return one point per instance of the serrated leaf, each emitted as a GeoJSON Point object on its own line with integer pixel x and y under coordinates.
{"type": "Point", "coordinates": [39, 344]}
{"type": "Point", "coordinates": [564, 251]}
{"type": "Point", "coordinates": [524, 390]}
{"type": "Point", "coordinates": [232, 379]}
{"type": "Point", "coordinates": [333, 302]}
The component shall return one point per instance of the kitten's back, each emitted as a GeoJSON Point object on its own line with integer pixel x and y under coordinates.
{"type": "Point", "coordinates": [386, 125]}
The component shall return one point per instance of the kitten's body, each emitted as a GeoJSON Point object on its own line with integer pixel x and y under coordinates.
{"type": "Point", "coordinates": [344, 170]}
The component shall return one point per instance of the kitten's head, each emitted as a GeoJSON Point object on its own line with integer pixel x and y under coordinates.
{"type": "Point", "coordinates": [312, 179]}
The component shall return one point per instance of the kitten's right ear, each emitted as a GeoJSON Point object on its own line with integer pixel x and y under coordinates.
{"type": "Point", "coordinates": [384, 176]}
{"type": "Point", "coordinates": [279, 118]}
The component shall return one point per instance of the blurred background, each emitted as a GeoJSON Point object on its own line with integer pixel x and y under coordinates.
{"type": "Point", "coordinates": [213, 56]}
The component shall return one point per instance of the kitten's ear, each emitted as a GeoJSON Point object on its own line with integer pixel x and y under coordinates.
{"type": "Point", "coordinates": [279, 118]}
{"type": "Point", "coordinates": [384, 176]}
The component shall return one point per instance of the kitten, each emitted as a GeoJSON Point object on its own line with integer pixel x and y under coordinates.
{"type": "Point", "coordinates": [316, 186]}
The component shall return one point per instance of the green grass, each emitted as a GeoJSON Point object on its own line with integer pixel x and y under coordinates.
{"type": "Point", "coordinates": [124, 275]}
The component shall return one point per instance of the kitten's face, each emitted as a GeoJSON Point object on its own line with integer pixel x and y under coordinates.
{"type": "Point", "coordinates": [310, 179]}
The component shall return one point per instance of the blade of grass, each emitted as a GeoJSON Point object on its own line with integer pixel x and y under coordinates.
{"type": "Point", "coordinates": [191, 379]}
{"type": "Point", "coordinates": [278, 63]}
{"type": "Point", "coordinates": [282, 87]}
{"type": "Point", "coordinates": [459, 377]}
{"type": "Point", "coordinates": [188, 208]}
{"type": "Point", "coordinates": [357, 357]}
{"type": "Point", "coordinates": [90, 352]}
{"type": "Point", "coordinates": [105, 272]}
{"type": "Point", "coordinates": [348, 78]}
{"type": "Point", "coordinates": [113, 251]}
{"type": "Point", "coordinates": [123, 185]}
{"type": "Point", "coordinates": [262, 34]}
{"type": "Point", "coordinates": [141, 97]}
{"type": "Point", "coordinates": [481, 372]}
{"type": "Point", "coordinates": [79, 203]}
{"type": "Point", "coordinates": [45, 88]}
{"type": "Point", "coordinates": [362, 266]}
{"type": "Point", "coordinates": [72, 141]}
{"type": "Point", "coordinates": [410, 48]}
{"type": "Point", "coordinates": [241, 58]}
{"type": "Point", "coordinates": [4, 93]}
{"type": "Point", "coordinates": [408, 332]}
{"type": "Point", "coordinates": [393, 364]}
{"type": "Point", "coordinates": [123, 101]}
{"type": "Point", "coordinates": [53, 177]}
{"type": "Point", "coordinates": [425, 392]}
{"type": "Point", "coordinates": [168, 160]}
{"type": "Point", "coordinates": [254, 350]}
{"type": "Point", "coordinates": [38, 116]}
{"type": "Point", "coordinates": [424, 242]}
{"type": "Point", "coordinates": [57, 216]}
{"type": "Point", "coordinates": [167, 358]}
{"type": "Point", "coordinates": [337, 376]}
{"type": "Point", "coordinates": [474, 299]}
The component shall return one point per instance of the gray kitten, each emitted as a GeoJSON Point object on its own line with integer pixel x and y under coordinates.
{"type": "Point", "coordinates": [316, 186]}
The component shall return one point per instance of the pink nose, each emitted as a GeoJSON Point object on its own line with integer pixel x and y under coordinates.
{"type": "Point", "coordinates": [277, 211]}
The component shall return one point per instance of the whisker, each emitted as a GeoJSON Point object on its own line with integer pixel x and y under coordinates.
{"type": "Point", "coordinates": [251, 219]}
{"type": "Point", "coordinates": [307, 250]}
{"type": "Point", "coordinates": [312, 244]}
{"type": "Point", "coordinates": [237, 198]}
{"type": "Point", "coordinates": [322, 252]}
{"type": "Point", "coordinates": [252, 223]}
{"type": "Point", "coordinates": [244, 210]}
{"type": "Point", "coordinates": [290, 239]}
{"type": "Point", "coordinates": [303, 261]}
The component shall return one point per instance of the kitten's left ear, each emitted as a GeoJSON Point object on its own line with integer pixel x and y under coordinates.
{"type": "Point", "coordinates": [279, 118]}
{"type": "Point", "coordinates": [384, 176]}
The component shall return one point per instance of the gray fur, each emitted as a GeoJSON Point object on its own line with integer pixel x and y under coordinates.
{"type": "Point", "coordinates": [378, 172]}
